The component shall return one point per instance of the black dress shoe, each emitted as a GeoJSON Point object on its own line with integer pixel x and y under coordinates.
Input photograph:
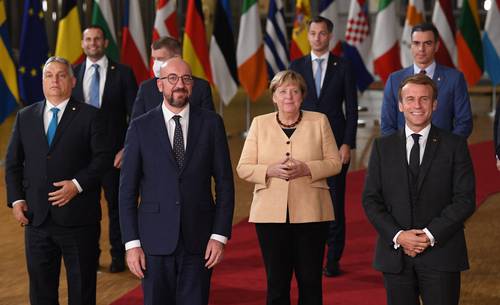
{"type": "Point", "coordinates": [117, 265]}
{"type": "Point", "coordinates": [332, 270]}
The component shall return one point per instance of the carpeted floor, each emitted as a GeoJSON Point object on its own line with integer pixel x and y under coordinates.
{"type": "Point", "coordinates": [240, 279]}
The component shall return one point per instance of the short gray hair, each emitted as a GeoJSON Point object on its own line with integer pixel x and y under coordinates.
{"type": "Point", "coordinates": [60, 60]}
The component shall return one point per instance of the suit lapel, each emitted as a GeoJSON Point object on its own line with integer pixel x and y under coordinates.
{"type": "Point", "coordinates": [429, 153]}
{"type": "Point", "coordinates": [40, 125]}
{"type": "Point", "coordinates": [331, 66]}
{"type": "Point", "coordinates": [161, 129]}
{"type": "Point", "coordinates": [69, 114]}
{"type": "Point", "coordinates": [308, 75]}
{"type": "Point", "coordinates": [78, 91]}
{"type": "Point", "coordinates": [438, 77]}
{"type": "Point", "coordinates": [110, 78]}
{"type": "Point", "coordinates": [194, 129]}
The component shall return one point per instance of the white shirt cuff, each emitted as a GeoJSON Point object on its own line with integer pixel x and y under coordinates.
{"type": "Point", "coordinates": [431, 237]}
{"type": "Point", "coordinates": [18, 201]}
{"type": "Point", "coordinates": [394, 240]}
{"type": "Point", "coordinates": [78, 186]}
{"type": "Point", "coordinates": [221, 238]}
{"type": "Point", "coordinates": [132, 244]}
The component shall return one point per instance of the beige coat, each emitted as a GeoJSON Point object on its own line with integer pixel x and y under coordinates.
{"type": "Point", "coordinates": [307, 198]}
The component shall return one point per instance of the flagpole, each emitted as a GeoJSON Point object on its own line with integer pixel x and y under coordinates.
{"type": "Point", "coordinates": [493, 100]}
{"type": "Point", "coordinates": [247, 118]}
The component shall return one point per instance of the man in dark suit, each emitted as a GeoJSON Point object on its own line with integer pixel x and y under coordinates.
{"type": "Point", "coordinates": [332, 91]}
{"type": "Point", "coordinates": [111, 87]}
{"type": "Point", "coordinates": [149, 97]}
{"type": "Point", "coordinates": [453, 111]}
{"type": "Point", "coordinates": [177, 233]}
{"type": "Point", "coordinates": [55, 157]}
{"type": "Point", "coordinates": [419, 191]}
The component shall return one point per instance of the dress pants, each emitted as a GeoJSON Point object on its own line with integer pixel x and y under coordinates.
{"type": "Point", "coordinates": [337, 228]}
{"type": "Point", "coordinates": [110, 183]}
{"type": "Point", "coordinates": [45, 246]}
{"type": "Point", "coordinates": [288, 248]}
{"type": "Point", "coordinates": [177, 279]}
{"type": "Point", "coordinates": [417, 280]}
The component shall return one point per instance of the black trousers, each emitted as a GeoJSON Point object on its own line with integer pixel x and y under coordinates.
{"type": "Point", "coordinates": [337, 228]}
{"type": "Point", "coordinates": [288, 248]}
{"type": "Point", "coordinates": [417, 280]}
{"type": "Point", "coordinates": [45, 246]}
{"type": "Point", "coordinates": [110, 183]}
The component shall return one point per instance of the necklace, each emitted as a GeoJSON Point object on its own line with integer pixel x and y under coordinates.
{"type": "Point", "coordinates": [291, 125]}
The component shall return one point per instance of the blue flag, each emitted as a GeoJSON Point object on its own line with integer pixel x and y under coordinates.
{"type": "Point", "coordinates": [34, 51]}
{"type": "Point", "coordinates": [9, 93]}
{"type": "Point", "coordinates": [275, 39]}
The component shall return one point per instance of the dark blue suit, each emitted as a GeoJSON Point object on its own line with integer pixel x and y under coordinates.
{"type": "Point", "coordinates": [453, 111]}
{"type": "Point", "coordinates": [337, 92]}
{"type": "Point", "coordinates": [149, 97]}
{"type": "Point", "coordinates": [177, 211]}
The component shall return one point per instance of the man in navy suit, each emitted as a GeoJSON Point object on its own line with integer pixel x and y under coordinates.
{"type": "Point", "coordinates": [453, 111]}
{"type": "Point", "coordinates": [177, 233]}
{"type": "Point", "coordinates": [149, 97]}
{"type": "Point", "coordinates": [113, 93]}
{"type": "Point", "coordinates": [331, 89]}
{"type": "Point", "coordinates": [55, 157]}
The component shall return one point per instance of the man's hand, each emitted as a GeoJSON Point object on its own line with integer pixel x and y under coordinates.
{"type": "Point", "coordinates": [214, 253]}
{"type": "Point", "coordinates": [297, 168]}
{"type": "Point", "coordinates": [118, 159]}
{"type": "Point", "coordinates": [410, 253]}
{"type": "Point", "coordinates": [278, 170]}
{"type": "Point", "coordinates": [136, 261]}
{"type": "Point", "coordinates": [18, 211]}
{"type": "Point", "coordinates": [413, 241]}
{"type": "Point", "coordinates": [345, 153]}
{"type": "Point", "coordinates": [498, 165]}
{"type": "Point", "coordinates": [63, 195]}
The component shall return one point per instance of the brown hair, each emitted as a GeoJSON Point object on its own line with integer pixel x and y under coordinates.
{"type": "Point", "coordinates": [169, 43]}
{"type": "Point", "coordinates": [418, 79]}
{"type": "Point", "coordinates": [288, 76]}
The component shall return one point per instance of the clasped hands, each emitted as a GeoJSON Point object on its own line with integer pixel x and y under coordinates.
{"type": "Point", "coordinates": [413, 242]}
{"type": "Point", "coordinates": [288, 169]}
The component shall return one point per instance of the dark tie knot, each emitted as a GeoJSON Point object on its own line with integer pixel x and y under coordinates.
{"type": "Point", "coordinates": [176, 119]}
{"type": "Point", "coordinates": [415, 137]}
{"type": "Point", "coordinates": [423, 72]}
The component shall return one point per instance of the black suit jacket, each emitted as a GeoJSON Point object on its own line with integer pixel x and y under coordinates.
{"type": "Point", "coordinates": [339, 86]}
{"type": "Point", "coordinates": [78, 150]}
{"type": "Point", "coordinates": [117, 99]}
{"type": "Point", "coordinates": [148, 96]}
{"type": "Point", "coordinates": [176, 201]}
{"type": "Point", "coordinates": [445, 199]}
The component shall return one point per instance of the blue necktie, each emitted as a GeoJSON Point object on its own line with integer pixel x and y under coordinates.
{"type": "Point", "coordinates": [51, 131]}
{"type": "Point", "coordinates": [317, 76]}
{"type": "Point", "coordinates": [94, 87]}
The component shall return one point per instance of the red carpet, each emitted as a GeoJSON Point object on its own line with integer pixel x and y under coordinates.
{"type": "Point", "coordinates": [240, 279]}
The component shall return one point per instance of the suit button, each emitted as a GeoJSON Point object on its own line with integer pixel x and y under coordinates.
{"type": "Point", "coordinates": [287, 179]}
{"type": "Point", "coordinates": [48, 157]}
{"type": "Point", "coordinates": [287, 142]}
{"type": "Point", "coordinates": [177, 203]}
{"type": "Point", "coordinates": [287, 154]}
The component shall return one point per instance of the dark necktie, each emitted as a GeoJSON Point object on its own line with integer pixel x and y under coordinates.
{"type": "Point", "coordinates": [423, 72]}
{"type": "Point", "coordinates": [178, 145]}
{"type": "Point", "coordinates": [415, 156]}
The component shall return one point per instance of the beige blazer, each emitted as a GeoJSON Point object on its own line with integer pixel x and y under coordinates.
{"type": "Point", "coordinates": [306, 198]}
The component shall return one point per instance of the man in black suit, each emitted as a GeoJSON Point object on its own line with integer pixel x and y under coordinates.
{"type": "Point", "coordinates": [332, 91]}
{"type": "Point", "coordinates": [178, 232]}
{"type": "Point", "coordinates": [419, 191]}
{"type": "Point", "coordinates": [55, 157]}
{"type": "Point", "coordinates": [149, 96]}
{"type": "Point", "coordinates": [111, 87]}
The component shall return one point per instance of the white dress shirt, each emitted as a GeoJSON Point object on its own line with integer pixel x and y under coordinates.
{"type": "Point", "coordinates": [89, 75]}
{"type": "Point", "coordinates": [422, 141]}
{"type": "Point", "coordinates": [429, 70]}
{"type": "Point", "coordinates": [323, 65]}
{"type": "Point", "coordinates": [170, 124]}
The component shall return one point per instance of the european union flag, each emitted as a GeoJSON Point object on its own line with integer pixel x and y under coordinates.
{"type": "Point", "coordinates": [34, 51]}
{"type": "Point", "coordinates": [9, 93]}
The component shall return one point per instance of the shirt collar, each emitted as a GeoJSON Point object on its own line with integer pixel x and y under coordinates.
{"type": "Point", "coordinates": [169, 114]}
{"type": "Point", "coordinates": [324, 56]}
{"type": "Point", "coordinates": [429, 70]}
{"type": "Point", "coordinates": [61, 106]}
{"type": "Point", "coordinates": [424, 132]}
{"type": "Point", "coordinates": [103, 63]}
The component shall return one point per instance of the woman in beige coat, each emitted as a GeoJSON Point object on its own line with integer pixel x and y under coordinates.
{"type": "Point", "coordinates": [289, 154]}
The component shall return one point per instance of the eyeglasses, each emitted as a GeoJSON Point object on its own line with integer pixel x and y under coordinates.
{"type": "Point", "coordinates": [174, 78]}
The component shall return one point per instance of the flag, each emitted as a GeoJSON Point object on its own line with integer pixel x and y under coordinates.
{"type": "Point", "coordinates": [165, 20]}
{"type": "Point", "coordinates": [329, 10]}
{"type": "Point", "coordinates": [102, 15]}
{"type": "Point", "coordinates": [69, 34]}
{"type": "Point", "coordinates": [443, 20]}
{"type": "Point", "coordinates": [414, 15]}
{"type": "Point", "coordinates": [250, 51]}
{"type": "Point", "coordinates": [34, 51]}
{"type": "Point", "coordinates": [9, 93]}
{"type": "Point", "coordinates": [133, 51]}
{"type": "Point", "coordinates": [275, 39]}
{"type": "Point", "coordinates": [491, 42]}
{"type": "Point", "coordinates": [469, 49]}
{"type": "Point", "coordinates": [300, 45]}
{"type": "Point", "coordinates": [358, 43]}
{"type": "Point", "coordinates": [385, 41]}
{"type": "Point", "coordinates": [222, 57]}
{"type": "Point", "coordinates": [195, 47]}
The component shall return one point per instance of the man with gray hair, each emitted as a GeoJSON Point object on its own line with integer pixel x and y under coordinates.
{"type": "Point", "coordinates": [52, 177]}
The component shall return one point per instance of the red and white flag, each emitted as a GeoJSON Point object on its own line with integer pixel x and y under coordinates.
{"type": "Point", "coordinates": [443, 20]}
{"type": "Point", "coordinates": [414, 16]}
{"type": "Point", "coordinates": [165, 19]}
